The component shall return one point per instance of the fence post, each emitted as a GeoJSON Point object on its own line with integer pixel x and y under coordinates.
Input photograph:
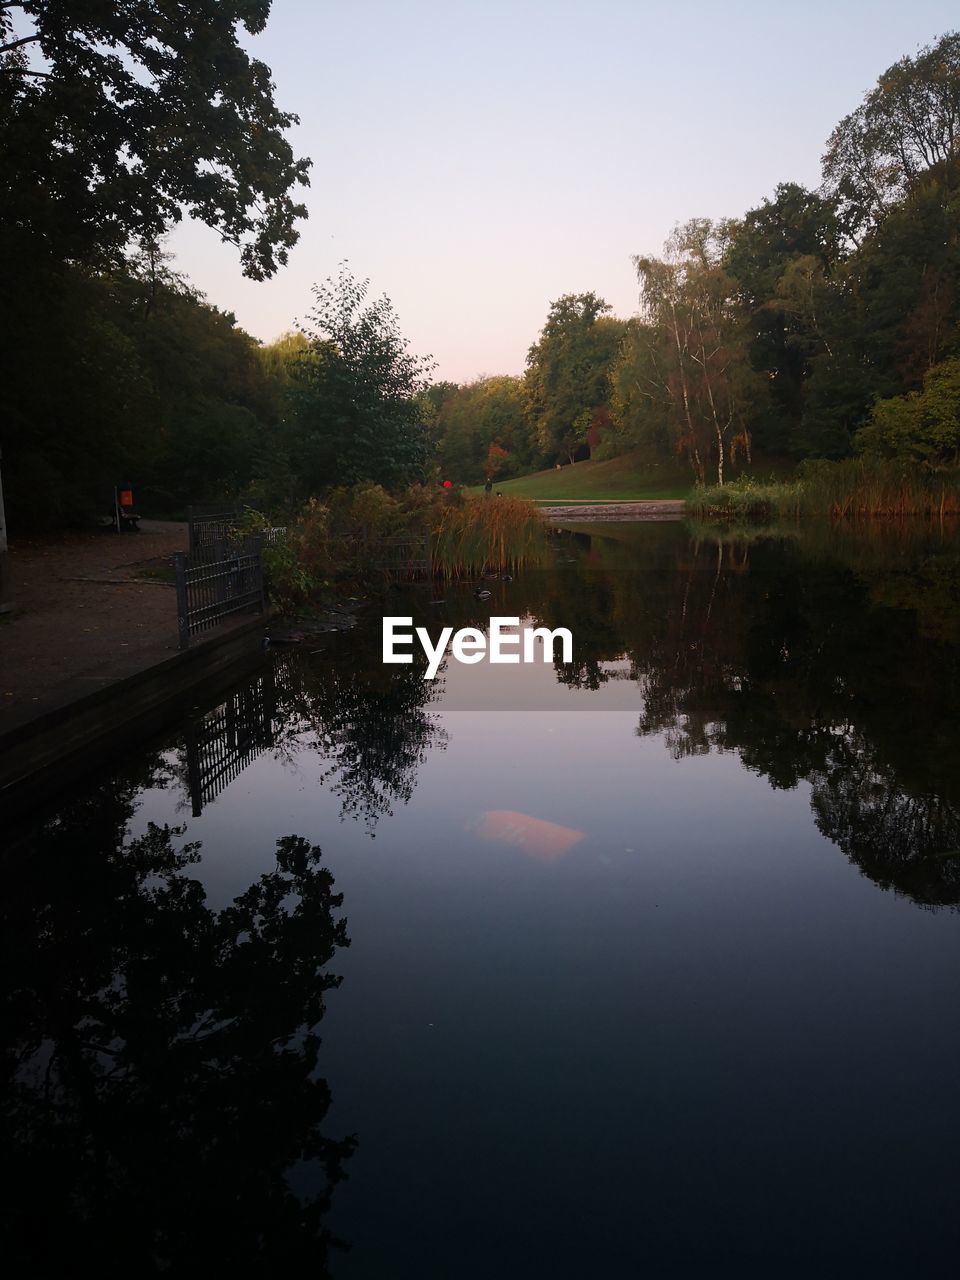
{"type": "Point", "coordinates": [183, 618]}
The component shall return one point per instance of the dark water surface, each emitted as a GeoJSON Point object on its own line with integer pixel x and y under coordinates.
{"type": "Point", "coordinates": [645, 966]}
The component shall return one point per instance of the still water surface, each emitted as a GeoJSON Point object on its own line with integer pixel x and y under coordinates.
{"type": "Point", "coordinates": [648, 965]}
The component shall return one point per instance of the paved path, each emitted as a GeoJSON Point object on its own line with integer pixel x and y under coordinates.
{"type": "Point", "coordinates": [86, 612]}
{"type": "Point", "coordinates": [666, 510]}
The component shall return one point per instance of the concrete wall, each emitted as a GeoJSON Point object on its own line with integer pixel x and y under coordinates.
{"type": "Point", "coordinates": [61, 745]}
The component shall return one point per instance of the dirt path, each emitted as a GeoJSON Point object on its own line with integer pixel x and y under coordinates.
{"type": "Point", "coordinates": [89, 608]}
{"type": "Point", "coordinates": [666, 510]}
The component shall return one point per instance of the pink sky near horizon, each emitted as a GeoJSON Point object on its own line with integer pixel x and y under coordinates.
{"type": "Point", "coordinates": [477, 161]}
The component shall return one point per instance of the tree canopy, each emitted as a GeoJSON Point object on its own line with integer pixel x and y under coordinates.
{"type": "Point", "coordinates": [116, 117]}
{"type": "Point", "coordinates": [356, 409]}
{"type": "Point", "coordinates": [568, 371]}
{"type": "Point", "coordinates": [816, 325]}
{"type": "Point", "coordinates": [907, 124]}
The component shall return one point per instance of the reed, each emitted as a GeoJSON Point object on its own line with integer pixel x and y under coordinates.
{"type": "Point", "coordinates": [854, 489]}
{"type": "Point", "coordinates": [483, 534]}
{"type": "Point", "coordinates": [862, 488]}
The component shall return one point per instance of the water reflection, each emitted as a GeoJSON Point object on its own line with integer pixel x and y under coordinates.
{"type": "Point", "coordinates": [220, 744]}
{"type": "Point", "coordinates": [824, 656]}
{"type": "Point", "coordinates": [372, 727]}
{"type": "Point", "coordinates": [163, 1062]}
{"type": "Point", "coordinates": [160, 1056]}
{"type": "Point", "coordinates": [830, 658]}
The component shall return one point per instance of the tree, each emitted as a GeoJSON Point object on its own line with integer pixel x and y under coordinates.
{"type": "Point", "coordinates": [134, 111]}
{"type": "Point", "coordinates": [783, 256]}
{"type": "Point", "coordinates": [131, 374]}
{"type": "Point", "coordinates": [357, 414]}
{"type": "Point", "coordinates": [919, 426]}
{"type": "Point", "coordinates": [640, 411]}
{"type": "Point", "coordinates": [473, 420]}
{"type": "Point", "coordinates": [568, 371]}
{"type": "Point", "coordinates": [907, 125]}
{"type": "Point", "coordinates": [880, 319]}
{"type": "Point", "coordinates": [699, 358]}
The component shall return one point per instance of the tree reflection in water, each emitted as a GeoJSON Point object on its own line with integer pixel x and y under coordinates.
{"type": "Point", "coordinates": [831, 657]}
{"type": "Point", "coordinates": [161, 1056]}
{"type": "Point", "coordinates": [371, 724]}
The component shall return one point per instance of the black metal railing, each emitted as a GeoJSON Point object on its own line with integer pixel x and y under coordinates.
{"type": "Point", "coordinates": [222, 581]}
{"type": "Point", "coordinates": [210, 528]}
{"type": "Point", "coordinates": [402, 558]}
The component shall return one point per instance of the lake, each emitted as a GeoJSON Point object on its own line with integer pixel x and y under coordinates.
{"type": "Point", "coordinates": [648, 964]}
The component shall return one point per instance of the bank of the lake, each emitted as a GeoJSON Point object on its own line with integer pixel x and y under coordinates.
{"type": "Point", "coordinates": [854, 488]}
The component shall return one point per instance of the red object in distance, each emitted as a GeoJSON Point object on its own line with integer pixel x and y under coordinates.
{"type": "Point", "coordinates": [448, 484]}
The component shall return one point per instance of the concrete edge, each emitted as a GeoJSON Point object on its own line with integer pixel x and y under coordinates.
{"type": "Point", "coordinates": [59, 745]}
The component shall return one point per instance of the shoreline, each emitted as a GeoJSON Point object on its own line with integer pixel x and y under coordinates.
{"type": "Point", "coordinates": [666, 509]}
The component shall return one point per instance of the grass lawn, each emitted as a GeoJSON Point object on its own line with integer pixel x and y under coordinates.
{"type": "Point", "coordinates": [628, 478]}
{"type": "Point", "coordinates": [621, 479]}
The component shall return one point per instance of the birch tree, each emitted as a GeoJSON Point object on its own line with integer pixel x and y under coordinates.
{"type": "Point", "coordinates": [697, 359]}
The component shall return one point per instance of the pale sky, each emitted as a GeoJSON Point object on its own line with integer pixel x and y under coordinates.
{"type": "Point", "coordinates": [477, 160]}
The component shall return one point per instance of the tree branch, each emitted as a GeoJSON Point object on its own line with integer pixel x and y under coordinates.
{"type": "Point", "coordinates": [15, 44]}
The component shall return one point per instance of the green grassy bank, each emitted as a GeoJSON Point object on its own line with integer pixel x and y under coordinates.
{"type": "Point", "coordinates": [632, 477]}
{"type": "Point", "coordinates": [625, 479]}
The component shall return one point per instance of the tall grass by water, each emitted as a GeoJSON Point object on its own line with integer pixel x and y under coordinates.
{"type": "Point", "coordinates": [487, 533]}
{"type": "Point", "coordinates": [854, 488]}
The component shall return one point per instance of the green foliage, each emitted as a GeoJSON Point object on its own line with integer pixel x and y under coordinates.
{"type": "Point", "coordinates": [356, 414]}
{"type": "Point", "coordinates": [816, 326]}
{"type": "Point", "coordinates": [126, 375]}
{"type": "Point", "coordinates": [781, 256]}
{"type": "Point", "coordinates": [919, 426]}
{"type": "Point", "coordinates": [746, 500]}
{"type": "Point", "coordinates": [332, 546]}
{"type": "Point", "coordinates": [641, 414]}
{"type": "Point", "coordinates": [469, 421]}
{"type": "Point", "coordinates": [905, 127]}
{"type": "Point", "coordinates": [299, 564]}
{"type": "Point", "coordinates": [568, 372]}
{"type": "Point", "coordinates": [696, 370]}
{"type": "Point", "coordinates": [134, 113]}
{"type": "Point", "coordinates": [337, 544]}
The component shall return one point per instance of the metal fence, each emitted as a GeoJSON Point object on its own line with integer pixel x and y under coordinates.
{"type": "Point", "coordinates": [210, 529]}
{"type": "Point", "coordinates": [221, 582]}
{"type": "Point", "coordinates": [402, 558]}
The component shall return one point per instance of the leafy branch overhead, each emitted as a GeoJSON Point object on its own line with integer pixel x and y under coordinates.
{"type": "Point", "coordinates": [906, 126]}
{"type": "Point", "coordinates": [116, 117]}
